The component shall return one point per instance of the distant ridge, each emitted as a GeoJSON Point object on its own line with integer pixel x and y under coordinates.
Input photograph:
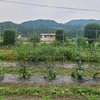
{"type": "Point", "coordinates": [53, 24]}
{"type": "Point", "coordinates": [29, 26]}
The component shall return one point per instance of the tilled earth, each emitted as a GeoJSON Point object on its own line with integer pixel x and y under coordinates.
{"type": "Point", "coordinates": [39, 79]}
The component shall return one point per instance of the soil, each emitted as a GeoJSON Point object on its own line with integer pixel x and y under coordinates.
{"type": "Point", "coordinates": [36, 78]}
{"type": "Point", "coordinates": [41, 64]}
{"type": "Point", "coordinates": [39, 79]}
{"type": "Point", "coordinates": [43, 98]}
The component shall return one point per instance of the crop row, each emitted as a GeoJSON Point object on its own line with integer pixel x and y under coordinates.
{"type": "Point", "coordinates": [48, 52]}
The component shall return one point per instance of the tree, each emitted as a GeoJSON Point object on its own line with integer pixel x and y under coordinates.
{"type": "Point", "coordinates": [60, 35]}
{"type": "Point", "coordinates": [91, 32]}
{"type": "Point", "coordinates": [9, 36]}
{"type": "Point", "coordinates": [34, 38]}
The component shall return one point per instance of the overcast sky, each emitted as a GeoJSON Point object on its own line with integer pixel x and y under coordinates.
{"type": "Point", "coordinates": [20, 12]}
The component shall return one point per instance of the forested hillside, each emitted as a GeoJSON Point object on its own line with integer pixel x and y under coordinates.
{"type": "Point", "coordinates": [39, 26]}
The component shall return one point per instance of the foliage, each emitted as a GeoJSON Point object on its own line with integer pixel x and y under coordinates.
{"type": "Point", "coordinates": [4, 91]}
{"type": "Point", "coordinates": [34, 38]}
{"type": "Point", "coordinates": [2, 98]}
{"type": "Point", "coordinates": [92, 97]}
{"type": "Point", "coordinates": [85, 91]}
{"type": "Point", "coordinates": [91, 32]}
{"type": "Point", "coordinates": [51, 74]}
{"type": "Point", "coordinates": [46, 98]}
{"type": "Point", "coordinates": [45, 26]}
{"type": "Point", "coordinates": [9, 37]}
{"type": "Point", "coordinates": [60, 35]}
{"type": "Point", "coordinates": [56, 51]}
{"type": "Point", "coordinates": [43, 52]}
{"type": "Point", "coordinates": [96, 75]}
{"type": "Point", "coordinates": [42, 70]}
{"type": "Point", "coordinates": [54, 91]}
{"type": "Point", "coordinates": [1, 74]}
{"type": "Point", "coordinates": [6, 53]}
{"type": "Point", "coordinates": [24, 73]}
{"type": "Point", "coordinates": [79, 73]}
{"type": "Point", "coordinates": [1, 71]}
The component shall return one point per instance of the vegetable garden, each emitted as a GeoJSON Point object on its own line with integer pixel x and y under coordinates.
{"type": "Point", "coordinates": [49, 63]}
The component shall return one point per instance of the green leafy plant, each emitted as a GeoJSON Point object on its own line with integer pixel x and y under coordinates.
{"type": "Point", "coordinates": [1, 74]}
{"type": "Point", "coordinates": [24, 72]}
{"type": "Point", "coordinates": [4, 91]}
{"type": "Point", "coordinates": [1, 71]}
{"type": "Point", "coordinates": [9, 37]}
{"type": "Point", "coordinates": [92, 97]}
{"type": "Point", "coordinates": [51, 75]}
{"type": "Point", "coordinates": [96, 75]}
{"type": "Point", "coordinates": [56, 91]}
{"type": "Point", "coordinates": [78, 74]}
{"type": "Point", "coordinates": [46, 98]}
{"type": "Point", "coordinates": [35, 91]}
{"type": "Point", "coordinates": [2, 98]}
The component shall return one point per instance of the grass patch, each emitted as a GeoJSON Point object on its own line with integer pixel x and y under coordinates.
{"type": "Point", "coordinates": [43, 70]}
{"type": "Point", "coordinates": [49, 91]}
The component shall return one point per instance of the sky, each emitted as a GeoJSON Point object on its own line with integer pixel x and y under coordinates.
{"type": "Point", "coordinates": [19, 13]}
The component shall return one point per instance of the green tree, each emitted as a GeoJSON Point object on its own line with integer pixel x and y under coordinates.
{"type": "Point", "coordinates": [34, 38]}
{"type": "Point", "coordinates": [91, 32]}
{"type": "Point", "coordinates": [9, 36]}
{"type": "Point", "coordinates": [60, 35]}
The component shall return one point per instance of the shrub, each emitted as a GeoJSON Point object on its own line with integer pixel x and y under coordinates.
{"type": "Point", "coordinates": [9, 37]}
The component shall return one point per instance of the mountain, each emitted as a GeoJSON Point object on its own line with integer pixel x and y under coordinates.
{"type": "Point", "coordinates": [17, 27]}
{"type": "Point", "coordinates": [41, 25]}
{"type": "Point", "coordinates": [8, 24]}
{"type": "Point", "coordinates": [73, 24]}
{"type": "Point", "coordinates": [80, 23]}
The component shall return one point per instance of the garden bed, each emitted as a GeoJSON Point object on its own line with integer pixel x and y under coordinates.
{"type": "Point", "coordinates": [14, 88]}
{"type": "Point", "coordinates": [39, 79]}
{"type": "Point", "coordinates": [43, 64]}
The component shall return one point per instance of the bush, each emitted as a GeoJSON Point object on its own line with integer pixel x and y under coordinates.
{"type": "Point", "coordinates": [9, 37]}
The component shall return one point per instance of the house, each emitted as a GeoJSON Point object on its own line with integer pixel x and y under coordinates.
{"type": "Point", "coordinates": [47, 37]}
{"type": "Point", "coordinates": [25, 39]}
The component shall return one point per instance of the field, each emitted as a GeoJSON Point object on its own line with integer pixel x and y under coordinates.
{"type": "Point", "coordinates": [29, 63]}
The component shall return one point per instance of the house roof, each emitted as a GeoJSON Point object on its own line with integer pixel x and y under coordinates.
{"type": "Point", "coordinates": [48, 34]}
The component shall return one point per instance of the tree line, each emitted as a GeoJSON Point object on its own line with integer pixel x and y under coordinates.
{"type": "Point", "coordinates": [91, 32]}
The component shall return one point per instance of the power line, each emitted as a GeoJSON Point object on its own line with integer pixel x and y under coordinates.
{"type": "Point", "coordinates": [49, 6]}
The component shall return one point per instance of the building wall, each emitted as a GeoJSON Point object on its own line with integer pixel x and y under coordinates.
{"type": "Point", "coordinates": [48, 37]}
